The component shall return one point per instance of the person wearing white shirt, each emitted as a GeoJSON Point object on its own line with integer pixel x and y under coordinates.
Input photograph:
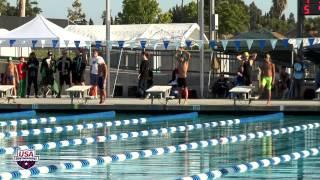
{"type": "Point", "coordinates": [94, 64]}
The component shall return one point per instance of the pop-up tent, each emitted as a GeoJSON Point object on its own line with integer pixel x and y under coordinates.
{"type": "Point", "coordinates": [154, 34]}
{"type": "Point", "coordinates": [13, 51]}
{"type": "Point", "coordinates": [39, 32]}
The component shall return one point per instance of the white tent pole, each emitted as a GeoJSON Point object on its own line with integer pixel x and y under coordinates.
{"type": "Point", "coordinates": [210, 71]}
{"type": "Point", "coordinates": [201, 19]}
{"type": "Point", "coordinates": [115, 80]}
{"type": "Point", "coordinates": [108, 23]}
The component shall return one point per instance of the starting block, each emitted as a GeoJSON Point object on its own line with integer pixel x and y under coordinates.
{"type": "Point", "coordinates": [243, 92]}
{"type": "Point", "coordinates": [160, 92]}
{"type": "Point", "coordinates": [81, 90]}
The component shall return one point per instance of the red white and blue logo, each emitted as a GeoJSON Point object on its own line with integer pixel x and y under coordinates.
{"type": "Point", "coordinates": [26, 158]}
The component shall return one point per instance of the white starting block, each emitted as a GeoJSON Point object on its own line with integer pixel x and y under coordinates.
{"type": "Point", "coordinates": [82, 90]}
{"type": "Point", "coordinates": [244, 93]}
{"type": "Point", "coordinates": [159, 92]}
{"type": "Point", "coordinates": [6, 92]}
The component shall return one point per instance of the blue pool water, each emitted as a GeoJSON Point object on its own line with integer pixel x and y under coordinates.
{"type": "Point", "coordinates": [179, 164]}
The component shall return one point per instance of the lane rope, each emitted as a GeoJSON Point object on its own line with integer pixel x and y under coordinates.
{"type": "Point", "coordinates": [50, 120]}
{"type": "Point", "coordinates": [102, 161]}
{"type": "Point", "coordinates": [70, 128]}
{"type": "Point", "coordinates": [112, 137]}
{"type": "Point", "coordinates": [254, 165]}
{"type": "Point", "coordinates": [79, 127]}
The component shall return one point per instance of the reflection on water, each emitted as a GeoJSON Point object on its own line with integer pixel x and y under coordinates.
{"type": "Point", "coordinates": [172, 166]}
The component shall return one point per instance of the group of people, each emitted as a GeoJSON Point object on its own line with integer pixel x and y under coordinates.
{"type": "Point", "coordinates": [180, 72]}
{"type": "Point", "coordinates": [25, 74]}
{"type": "Point", "coordinates": [268, 76]}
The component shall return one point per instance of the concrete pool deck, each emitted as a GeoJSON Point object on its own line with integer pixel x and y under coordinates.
{"type": "Point", "coordinates": [134, 104]}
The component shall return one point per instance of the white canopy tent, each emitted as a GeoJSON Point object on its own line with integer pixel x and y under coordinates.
{"type": "Point", "coordinates": [132, 34]}
{"type": "Point", "coordinates": [13, 51]}
{"type": "Point", "coordinates": [39, 32]}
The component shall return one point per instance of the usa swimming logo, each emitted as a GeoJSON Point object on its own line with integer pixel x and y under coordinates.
{"type": "Point", "coordinates": [26, 158]}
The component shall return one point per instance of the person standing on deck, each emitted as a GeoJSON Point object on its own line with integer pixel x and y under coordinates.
{"type": "Point", "coordinates": [102, 79]}
{"type": "Point", "coordinates": [47, 70]}
{"type": "Point", "coordinates": [94, 65]}
{"type": "Point", "coordinates": [64, 69]}
{"type": "Point", "coordinates": [268, 76]}
{"type": "Point", "coordinates": [144, 75]}
{"type": "Point", "coordinates": [22, 71]}
{"type": "Point", "coordinates": [247, 63]}
{"type": "Point", "coordinates": [33, 67]}
{"type": "Point", "coordinates": [79, 64]}
{"type": "Point", "coordinates": [182, 64]}
{"type": "Point", "coordinates": [12, 77]}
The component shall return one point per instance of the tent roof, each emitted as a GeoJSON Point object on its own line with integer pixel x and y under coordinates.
{"type": "Point", "coordinates": [137, 32]}
{"type": "Point", "coordinates": [44, 31]}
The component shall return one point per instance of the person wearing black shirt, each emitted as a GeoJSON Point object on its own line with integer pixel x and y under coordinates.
{"type": "Point", "coordinates": [47, 70]}
{"type": "Point", "coordinates": [247, 63]}
{"type": "Point", "coordinates": [64, 69]}
{"type": "Point", "coordinates": [145, 74]}
{"type": "Point", "coordinates": [78, 67]}
{"type": "Point", "coordinates": [33, 67]}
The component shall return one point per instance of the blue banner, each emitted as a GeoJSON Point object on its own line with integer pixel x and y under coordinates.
{"type": "Point", "coordinates": [166, 44]}
{"type": "Point", "coordinates": [212, 44]}
{"type": "Point", "coordinates": [77, 44]}
{"type": "Point", "coordinates": [12, 41]}
{"type": "Point", "coordinates": [98, 44]}
{"type": "Point", "coordinates": [143, 44]}
{"type": "Point", "coordinates": [237, 44]}
{"type": "Point", "coordinates": [55, 43]}
{"type": "Point", "coordinates": [311, 41]}
{"type": "Point", "coordinates": [262, 44]}
{"type": "Point", "coordinates": [285, 43]}
{"type": "Point", "coordinates": [189, 43]}
{"type": "Point", "coordinates": [121, 44]}
{"type": "Point", "coordinates": [34, 42]}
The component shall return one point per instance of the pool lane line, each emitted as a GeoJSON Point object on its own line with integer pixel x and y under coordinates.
{"type": "Point", "coordinates": [254, 165]}
{"type": "Point", "coordinates": [102, 161]}
{"type": "Point", "coordinates": [71, 128]}
{"type": "Point", "coordinates": [115, 137]}
{"type": "Point", "coordinates": [20, 114]}
{"type": "Point", "coordinates": [79, 127]}
{"type": "Point", "coordinates": [49, 120]}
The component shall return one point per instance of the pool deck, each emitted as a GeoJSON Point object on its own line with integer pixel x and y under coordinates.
{"type": "Point", "coordinates": [134, 104]}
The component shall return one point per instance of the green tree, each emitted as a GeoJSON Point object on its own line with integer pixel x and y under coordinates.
{"type": "Point", "coordinates": [291, 19]}
{"type": "Point", "coordinates": [76, 14]}
{"type": "Point", "coordinates": [278, 7]}
{"type": "Point", "coordinates": [185, 13]}
{"type": "Point", "coordinates": [91, 22]}
{"type": "Point", "coordinates": [139, 12]}
{"type": "Point", "coordinates": [3, 6]}
{"type": "Point", "coordinates": [233, 16]}
{"type": "Point", "coordinates": [32, 9]}
{"type": "Point", "coordinates": [255, 17]}
{"type": "Point", "coordinates": [165, 17]}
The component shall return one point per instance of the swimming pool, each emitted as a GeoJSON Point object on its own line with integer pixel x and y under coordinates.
{"type": "Point", "coordinates": [181, 163]}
